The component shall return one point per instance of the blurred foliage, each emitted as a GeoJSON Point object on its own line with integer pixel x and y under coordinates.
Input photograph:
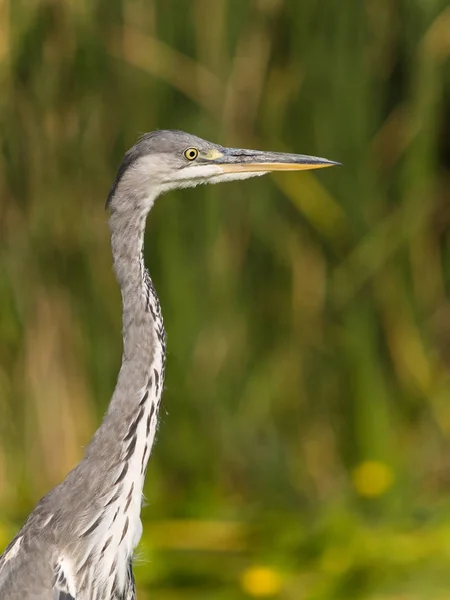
{"type": "Point", "coordinates": [304, 442]}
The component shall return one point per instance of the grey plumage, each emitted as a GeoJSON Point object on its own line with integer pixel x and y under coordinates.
{"type": "Point", "coordinates": [78, 542]}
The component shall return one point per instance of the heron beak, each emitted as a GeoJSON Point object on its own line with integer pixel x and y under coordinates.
{"type": "Point", "coordinates": [236, 160]}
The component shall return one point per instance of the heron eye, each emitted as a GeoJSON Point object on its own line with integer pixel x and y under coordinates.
{"type": "Point", "coordinates": [191, 153]}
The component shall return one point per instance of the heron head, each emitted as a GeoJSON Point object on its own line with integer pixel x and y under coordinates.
{"type": "Point", "coordinates": [168, 159]}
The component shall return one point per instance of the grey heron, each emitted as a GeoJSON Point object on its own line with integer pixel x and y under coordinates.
{"type": "Point", "coordinates": [78, 542]}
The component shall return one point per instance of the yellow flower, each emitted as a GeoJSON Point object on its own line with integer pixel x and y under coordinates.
{"type": "Point", "coordinates": [261, 581]}
{"type": "Point", "coordinates": [372, 478]}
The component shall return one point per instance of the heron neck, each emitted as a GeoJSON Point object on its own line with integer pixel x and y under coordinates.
{"type": "Point", "coordinates": [130, 423]}
{"type": "Point", "coordinates": [107, 484]}
{"type": "Point", "coordinates": [142, 324]}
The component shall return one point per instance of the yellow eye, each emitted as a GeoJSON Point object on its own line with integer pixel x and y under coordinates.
{"type": "Point", "coordinates": [191, 153]}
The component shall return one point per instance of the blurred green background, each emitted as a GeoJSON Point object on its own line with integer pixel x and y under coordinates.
{"type": "Point", "coordinates": [303, 448]}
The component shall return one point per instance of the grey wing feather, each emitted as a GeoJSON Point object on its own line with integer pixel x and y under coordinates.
{"type": "Point", "coordinates": [26, 573]}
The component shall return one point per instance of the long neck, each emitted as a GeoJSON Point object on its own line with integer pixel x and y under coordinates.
{"type": "Point", "coordinates": [132, 414]}
{"type": "Point", "coordinates": [143, 357]}
{"type": "Point", "coordinates": [123, 443]}
{"type": "Point", "coordinates": [110, 478]}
